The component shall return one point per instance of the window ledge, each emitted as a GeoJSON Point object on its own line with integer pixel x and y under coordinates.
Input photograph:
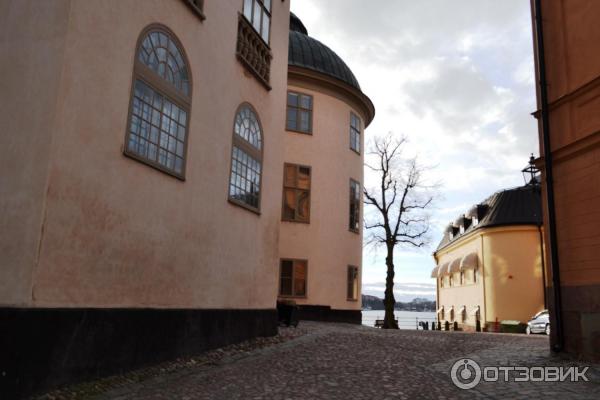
{"type": "Point", "coordinates": [298, 131]}
{"type": "Point", "coordinates": [243, 205]}
{"type": "Point", "coordinates": [295, 221]}
{"type": "Point", "coordinates": [196, 7]}
{"type": "Point", "coordinates": [154, 165]}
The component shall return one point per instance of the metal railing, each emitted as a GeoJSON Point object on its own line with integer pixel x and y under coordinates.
{"type": "Point", "coordinates": [403, 323]}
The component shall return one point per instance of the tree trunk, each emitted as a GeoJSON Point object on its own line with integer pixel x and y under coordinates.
{"type": "Point", "coordinates": [389, 322]}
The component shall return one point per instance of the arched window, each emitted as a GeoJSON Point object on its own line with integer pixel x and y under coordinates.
{"type": "Point", "coordinates": [246, 159]}
{"type": "Point", "coordinates": [160, 103]}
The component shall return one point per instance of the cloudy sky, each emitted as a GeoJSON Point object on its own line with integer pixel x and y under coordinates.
{"type": "Point", "coordinates": [456, 77]}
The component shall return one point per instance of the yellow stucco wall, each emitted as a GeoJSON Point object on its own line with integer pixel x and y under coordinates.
{"type": "Point", "coordinates": [469, 295]}
{"type": "Point", "coordinates": [509, 285]}
{"type": "Point", "coordinates": [513, 279]}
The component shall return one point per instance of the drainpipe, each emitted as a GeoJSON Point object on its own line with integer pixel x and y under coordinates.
{"type": "Point", "coordinates": [483, 269]}
{"type": "Point", "coordinates": [558, 329]}
{"type": "Point", "coordinates": [543, 266]}
{"type": "Point", "coordinates": [437, 290]}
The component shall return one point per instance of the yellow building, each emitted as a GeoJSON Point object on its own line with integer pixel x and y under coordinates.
{"type": "Point", "coordinates": [489, 262]}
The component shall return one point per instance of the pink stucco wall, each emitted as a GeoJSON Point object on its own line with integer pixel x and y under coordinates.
{"type": "Point", "coordinates": [112, 231]}
{"type": "Point", "coordinates": [327, 243]}
{"type": "Point", "coordinates": [32, 44]}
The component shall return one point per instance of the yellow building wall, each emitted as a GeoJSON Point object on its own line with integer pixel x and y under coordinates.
{"type": "Point", "coordinates": [470, 295]}
{"type": "Point", "coordinates": [509, 283]}
{"type": "Point", "coordinates": [513, 273]}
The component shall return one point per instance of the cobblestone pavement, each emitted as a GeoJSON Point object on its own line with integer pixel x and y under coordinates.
{"type": "Point", "coordinates": [338, 361]}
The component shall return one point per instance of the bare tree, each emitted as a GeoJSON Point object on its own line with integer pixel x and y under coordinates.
{"type": "Point", "coordinates": [400, 201]}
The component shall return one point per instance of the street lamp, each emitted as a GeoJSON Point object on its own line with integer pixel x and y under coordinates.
{"type": "Point", "coordinates": [530, 172]}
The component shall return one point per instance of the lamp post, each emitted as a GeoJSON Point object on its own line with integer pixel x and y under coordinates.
{"type": "Point", "coordinates": [530, 172]}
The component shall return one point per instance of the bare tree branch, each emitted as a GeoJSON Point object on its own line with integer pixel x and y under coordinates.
{"type": "Point", "coordinates": [399, 202]}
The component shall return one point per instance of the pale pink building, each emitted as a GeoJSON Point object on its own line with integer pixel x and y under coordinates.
{"type": "Point", "coordinates": [321, 233]}
{"type": "Point", "coordinates": [147, 167]}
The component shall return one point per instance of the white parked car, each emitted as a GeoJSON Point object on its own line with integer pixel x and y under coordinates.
{"type": "Point", "coordinates": [540, 323]}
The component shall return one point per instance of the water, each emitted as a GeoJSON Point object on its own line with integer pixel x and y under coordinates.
{"type": "Point", "coordinates": [406, 319]}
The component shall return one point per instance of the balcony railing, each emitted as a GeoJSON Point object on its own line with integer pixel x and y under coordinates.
{"type": "Point", "coordinates": [253, 52]}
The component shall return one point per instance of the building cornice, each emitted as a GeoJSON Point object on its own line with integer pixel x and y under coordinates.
{"type": "Point", "coordinates": [464, 239]}
{"type": "Point", "coordinates": [575, 148]}
{"type": "Point", "coordinates": [573, 94]}
{"type": "Point", "coordinates": [334, 87]}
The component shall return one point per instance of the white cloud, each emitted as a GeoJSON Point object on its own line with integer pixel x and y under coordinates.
{"type": "Point", "coordinates": [455, 77]}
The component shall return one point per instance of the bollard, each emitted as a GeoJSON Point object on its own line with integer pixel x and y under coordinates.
{"type": "Point", "coordinates": [439, 326]}
{"type": "Point", "coordinates": [477, 326]}
{"type": "Point", "coordinates": [426, 326]}
{"type": "Point", "coordinates": [455, 326]}
{"type": "Point", "coordinates": [447, 326]}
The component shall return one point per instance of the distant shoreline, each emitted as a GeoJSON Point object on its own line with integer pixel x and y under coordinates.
{"type": "Point", "coordinates": [398, 309]}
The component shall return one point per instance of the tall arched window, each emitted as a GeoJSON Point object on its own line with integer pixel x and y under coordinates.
{"type": "Point", "coordinates": [246, 159]}
{"type": "Point", "coordinates": [160, 102]}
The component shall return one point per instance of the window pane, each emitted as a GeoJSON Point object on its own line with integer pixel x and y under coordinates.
{"type": "Point", "coordinates": [290, 176]}
{"type": "Point", "coordinates": [154, 127]}
{"type": "Point", "coordinates": [304, 121]}
{"type": "Point", "coordinates": [248, 128]}
{"type": "Point", "coordinates": [303, 206]}
{"type": "Point", "coordinates": [306, 102]}
{"type": "Point", "coordinates": [160, 53]}
{"type": "Point", "coordinates": [289, 204]}
{"type": "Point", "coordinates": [248, 9]}
{"type": "Point", "coordinates": [292, 122]}
{"type": "Point", "coordinates": [256, 16]}
{"type": "Point", "coordinates": [350, 283]}
{"type": "Point", "coordinates": [245, 178]}
{"type": "Point", "coordinates": [299, 287]}
{"type": "Point", "coordinates": [152, 149]}
{"type": "Point", "coordinates": [292, 99]}
{"type": "Point", "coordinates": [353, 283]}
{"type": "Point", "coordinates": [285, 286]}
{"type": "Point", "coordinates": [267, 4]}
{"type": "Point", "coordinates": [265, 28]}
{"type": "Point", "coordinates": [300, 278]}
{"type": "Point", "coordinates": [354, 221]}
{"type": "Point", "coordinates": [286, 268]}
{"type": "Point", "coordinates": [303, 178]}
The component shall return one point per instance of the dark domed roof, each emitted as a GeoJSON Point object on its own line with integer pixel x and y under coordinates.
{"type": "Point", "coordinates": [517, 206]}
{"type": "Point", "coordinates": [309, 53]}
{"type": "Point", "coordinates": [296, 24]}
